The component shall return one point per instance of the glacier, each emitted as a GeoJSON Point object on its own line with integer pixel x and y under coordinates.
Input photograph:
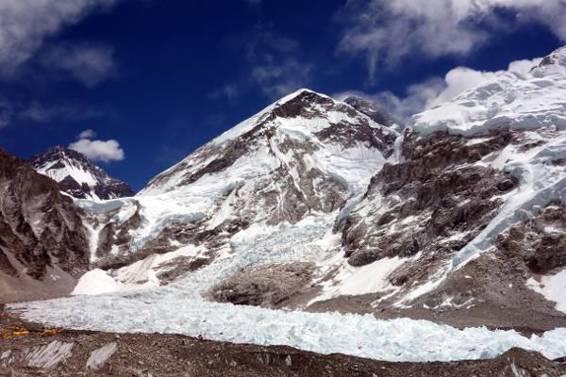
{"type": "Point", "coordinates": [171, 310]}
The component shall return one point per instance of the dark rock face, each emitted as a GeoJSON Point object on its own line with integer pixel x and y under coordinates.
{"type": "Point", "coordinates": [425, 202]}
{"type": "Point", "coordinates": [59, 163]}
{"type": "Point", "coordinates": [376, 113]}
{"type": "Point", "coordinates": [39, 227]}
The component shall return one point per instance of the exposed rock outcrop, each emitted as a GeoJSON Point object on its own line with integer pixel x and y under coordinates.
{"type": "Point", "coordinates": [42, 238]}
{"type": "Point", "coordinates": [432, 203]}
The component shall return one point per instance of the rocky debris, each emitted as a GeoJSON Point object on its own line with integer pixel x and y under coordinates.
{"type": "Point", "coordinates": [42, 238]}
{"type": "Point", "coordinates": [265, 285]}
{"type": "Point", "coordinates": [540, 242]}
{"type": "Point", "coordinates": [177, 267]}
{"type": "Point", "coordinates": [174, 355]}
{"type": "Point", "coordinates": [78, 176]}
{"type": "Point", "coordinates": [490, 291]}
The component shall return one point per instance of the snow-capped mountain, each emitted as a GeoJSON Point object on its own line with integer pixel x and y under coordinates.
{"type": "Point", "coordinates": [303, 157]}
{"type": "Point", "coordinates": [77, 176]}
{"type": "Point", "coordinates": [312, 205]}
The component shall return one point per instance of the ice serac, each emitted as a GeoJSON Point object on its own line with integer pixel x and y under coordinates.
{"type": "Point", "coordinates": [43, 243]}
{"type": "Point", "coordinates": [78, 176]}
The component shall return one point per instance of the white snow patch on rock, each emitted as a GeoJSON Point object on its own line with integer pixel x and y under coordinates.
{"type": "Point", "coordinates": [552, 287]}
{"type": "Point", "coordinates": [351, 281]}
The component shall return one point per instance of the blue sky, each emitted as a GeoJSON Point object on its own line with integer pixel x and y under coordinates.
{"type": "Point", "coordinates": [153, 80]}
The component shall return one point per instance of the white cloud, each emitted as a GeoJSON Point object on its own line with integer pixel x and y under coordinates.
{"type": "Point", "coordinates": [87, 134]}
{"type": "Point", "coordinates": [89, 64]}
{"type": "Point", "coordinates": [387, 31]}
{"type": "Point", "coordinates": [435, 91]}
{"type": "Point", "coordinates": [99, 150]}
{"type": "Point", "coordinates": [25, 24]}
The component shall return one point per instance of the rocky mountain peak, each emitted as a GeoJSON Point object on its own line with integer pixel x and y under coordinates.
{"type": "Point", "coordinates": [557, 57]}
{"type": "Point", "coordinates": [78, 176]}
{"type": "Point", "coordinates": [300, 102]}
{"type": "Point", "coordinates": [373, 110]}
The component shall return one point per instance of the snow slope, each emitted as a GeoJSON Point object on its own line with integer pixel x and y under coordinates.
{"type": "Point", "coordinates": [532, 103]}
{"type": "Point", "coordinates": [553, 287]}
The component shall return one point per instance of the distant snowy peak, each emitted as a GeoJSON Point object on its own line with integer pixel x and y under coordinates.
{"type": "Point", "coordinates": [373, 110]}
{"type": "Point", "coordinates": [77, 176]}
{"type": "Point", "coordinates": [508, 100]}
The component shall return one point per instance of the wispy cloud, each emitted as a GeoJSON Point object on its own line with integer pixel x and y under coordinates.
{"type": "Point", "coordinates": [253, 3]}
{"type": "Point", "coordinates": [229, 91]}
{"type": "Point", "coordinates": [87, 63]}
{"type": "Point", "coordinates": [388, 31]}
{"type": "Point", "coordinates": [98, 150]}
{"type": "Point", "coordinates": [16, 112]}
{"type": "Point", "coordinates": [281, 78]}
{"type": "Point", "coordinates": [87, 134]}
{"type": "Point", "coordinates": [26, 24]}
{"type": "Point", "coordinates": [277, 67]}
